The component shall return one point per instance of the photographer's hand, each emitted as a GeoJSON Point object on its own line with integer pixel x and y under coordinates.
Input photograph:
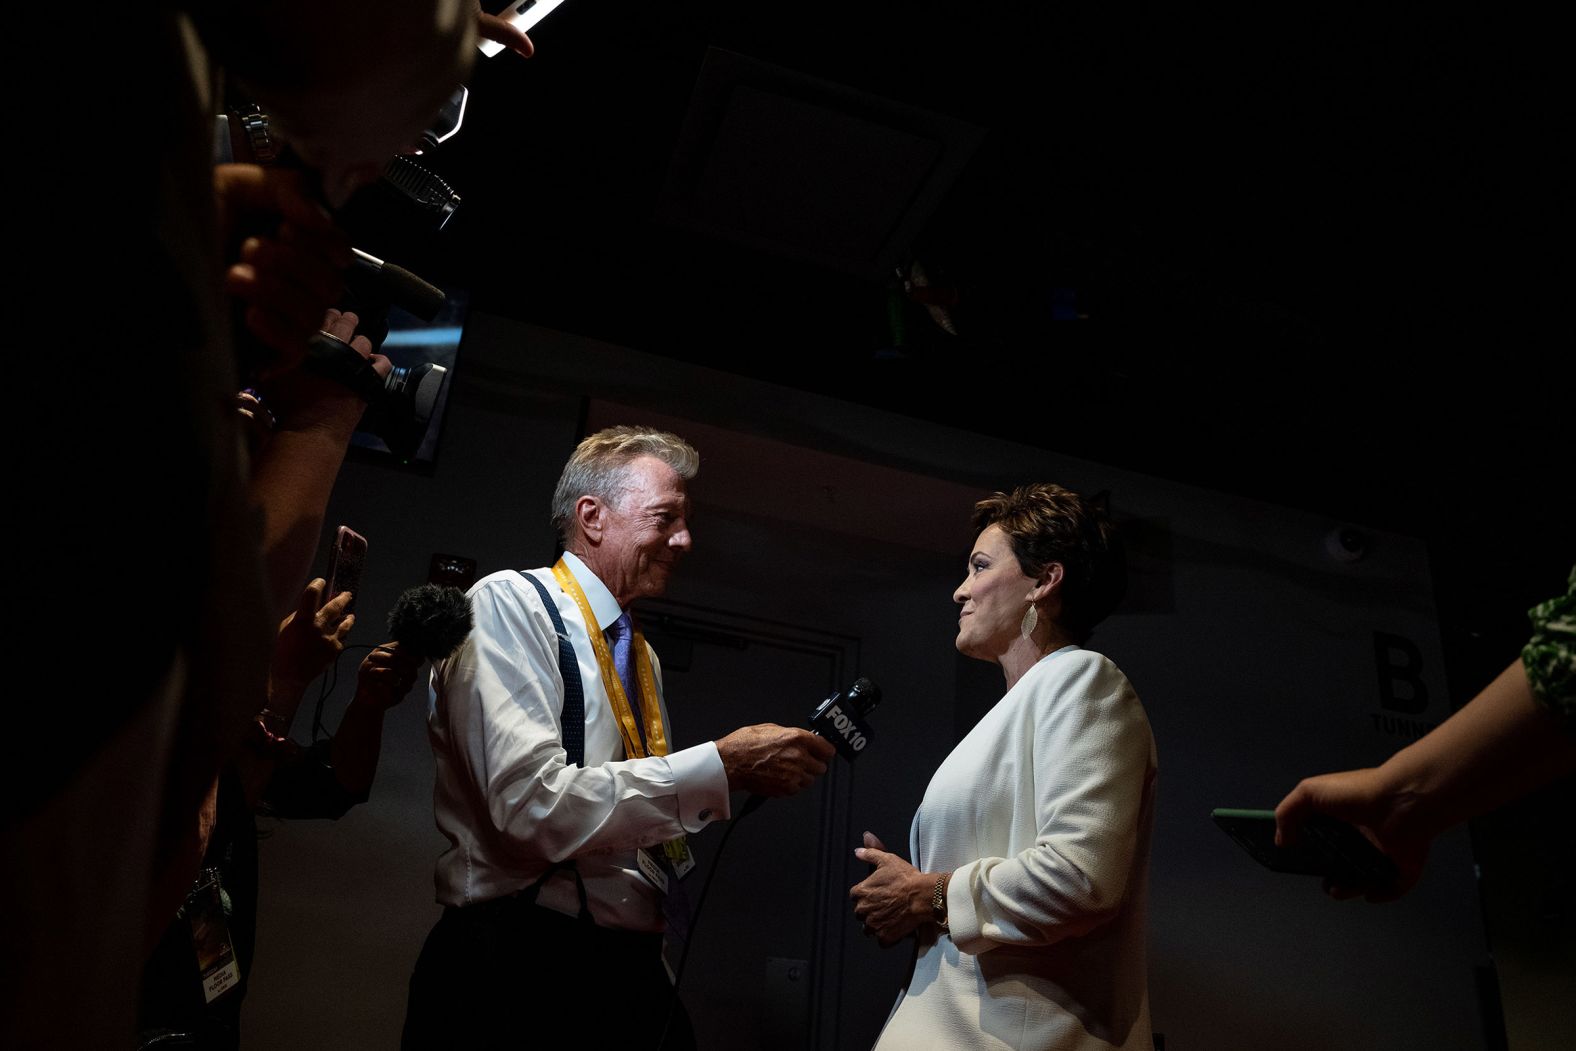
{"type": "Point", "coordinates": [301, 399]}
{"type": "Point", "coordinates": [288, 256]}
{"type": "Point", "coordinates": [384, 679]}
{"type": "Point", "coordinates": [308, 641]}
{"type": "Point", "coordinates": [292, 479]}
{"type": "Point", "coordinates": [1499, 746]}
{"type": "Point", "coordinates": [494, 28]}
{"type": "Point", "coordinates": [341, 324]}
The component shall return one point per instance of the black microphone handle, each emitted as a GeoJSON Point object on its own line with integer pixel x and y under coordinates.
{"type": "Point", "coordinates": [379, 279]}
{"type": "Point", "coordinates": [864, 695]}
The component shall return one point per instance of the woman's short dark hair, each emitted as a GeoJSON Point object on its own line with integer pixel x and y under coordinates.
{"type": "Point", "coordinates": [1048, 523]}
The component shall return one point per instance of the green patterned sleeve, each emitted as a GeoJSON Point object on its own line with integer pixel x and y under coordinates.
{"type": "Point", "coordinates": [1550, 655]}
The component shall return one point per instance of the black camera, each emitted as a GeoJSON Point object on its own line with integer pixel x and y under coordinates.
{"type": "Point", "coordinates": [399, 213]}
{"type": "Point", "coordinates": [399, 406]}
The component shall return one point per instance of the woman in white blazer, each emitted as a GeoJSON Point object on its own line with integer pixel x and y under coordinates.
{"type": "Point", "coordinates": [1030, 849]}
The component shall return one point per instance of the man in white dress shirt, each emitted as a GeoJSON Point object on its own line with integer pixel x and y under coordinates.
{"type": "Point", "coordinates": [564, 808]}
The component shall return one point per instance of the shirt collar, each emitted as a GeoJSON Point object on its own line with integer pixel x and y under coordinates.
{"type": "Point", "coordinates": [603, 605]}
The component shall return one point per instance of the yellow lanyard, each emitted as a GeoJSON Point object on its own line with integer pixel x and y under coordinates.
{"type": "Point", "coordinates": [650, 709]}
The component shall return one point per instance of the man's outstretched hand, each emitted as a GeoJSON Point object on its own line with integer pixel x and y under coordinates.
{"type": "Point", "coordinates": [772, 760]}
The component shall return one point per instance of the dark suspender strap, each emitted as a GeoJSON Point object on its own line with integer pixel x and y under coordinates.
{"type": "Point", "coordinates": [528, 895]}
{"type": "Point", "coordinates": [573, 718]}
{"type": "Point", "coordinates": [573, 721]}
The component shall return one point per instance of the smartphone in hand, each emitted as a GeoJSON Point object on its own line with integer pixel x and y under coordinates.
{"type": "Point", "coordinates": [1327, 847]}
{"type": "Point", "coordinates": [344, 565]}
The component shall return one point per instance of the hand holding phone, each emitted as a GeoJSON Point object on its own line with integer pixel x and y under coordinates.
{"type": "Point", "coordinates": [1327, 847]}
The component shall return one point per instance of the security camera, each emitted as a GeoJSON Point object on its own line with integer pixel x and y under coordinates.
{"type": "Point", "coordinates": [1346, 544]}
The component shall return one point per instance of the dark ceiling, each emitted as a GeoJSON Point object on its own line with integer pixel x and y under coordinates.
{"type": "Point", "coordinates": [1324, 253]}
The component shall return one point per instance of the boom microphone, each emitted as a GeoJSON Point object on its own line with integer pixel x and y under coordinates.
{"type": "Point", "coordinates": [431, 621]}
{"type": "Point", "coordinates": [378, 280]}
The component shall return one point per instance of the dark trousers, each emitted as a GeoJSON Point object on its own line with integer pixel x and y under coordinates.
{"type": "Point", "coordinates": [510, 974]}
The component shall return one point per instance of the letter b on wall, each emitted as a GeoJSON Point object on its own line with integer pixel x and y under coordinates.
{"type": "Point", "coordinates": [1400, 665]}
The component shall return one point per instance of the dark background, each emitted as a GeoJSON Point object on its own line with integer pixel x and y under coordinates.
{"type": "Point", "coordinates": [1322, 252]}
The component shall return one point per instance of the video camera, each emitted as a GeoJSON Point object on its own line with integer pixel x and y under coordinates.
{"type": "Point", "coordinates": [407, 205]}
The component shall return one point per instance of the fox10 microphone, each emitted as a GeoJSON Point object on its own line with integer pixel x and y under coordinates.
{"type": "Point", "coordinates": [840, 719]}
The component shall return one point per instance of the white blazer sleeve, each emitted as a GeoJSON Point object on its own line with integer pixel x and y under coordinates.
{"type": "Point", "coordinates": [1092, 767]}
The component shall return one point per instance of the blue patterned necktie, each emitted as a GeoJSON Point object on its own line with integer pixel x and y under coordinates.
{"type": "Point", "coordinates": [622, 634]}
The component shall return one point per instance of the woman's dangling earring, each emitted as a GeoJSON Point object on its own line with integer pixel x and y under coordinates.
{"type": "Point", "coordinates": [1031, 617]}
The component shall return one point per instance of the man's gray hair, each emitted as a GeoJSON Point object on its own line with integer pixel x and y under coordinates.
{"type": "Point", "coordinates": [598, 464]}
